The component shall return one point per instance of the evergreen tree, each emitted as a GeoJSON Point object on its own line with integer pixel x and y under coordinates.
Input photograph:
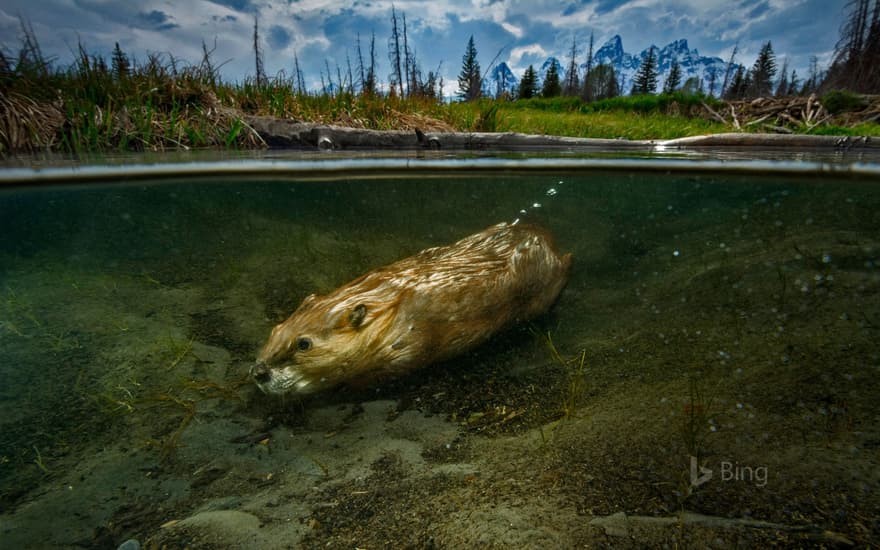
{"type": "Point", "coordinates": [763, 72]}
{"type": "Point", "coordinates": [645, 81]}
{"type": "Point", "coordinates": [673, 80]}
{"type": "Point", "coordinates": [119, 62]}
{"type": "Point", "coordinates": [469, 80]}
{"type": "Point", "coordinates": [551, 87]}
{"type": "Point", "coordinates": [528, 86]}
{"type": "Point", "coordinates": [572, 82]}
{"type": "Point", "coordinates": [737, 86]}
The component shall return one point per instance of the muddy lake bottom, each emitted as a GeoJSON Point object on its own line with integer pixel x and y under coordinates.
{"type": "Point", "coordinates": [716, 383]}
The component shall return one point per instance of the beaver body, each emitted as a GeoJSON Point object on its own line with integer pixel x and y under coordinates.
{"type": "Point", "coordinates": [422, 309]}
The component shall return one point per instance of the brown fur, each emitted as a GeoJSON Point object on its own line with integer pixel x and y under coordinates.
{"type": "Point", "coordinates": [419, 310]}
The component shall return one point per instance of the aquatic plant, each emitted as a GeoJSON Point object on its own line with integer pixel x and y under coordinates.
{"type": "Point", "coordinates": [574, 385]}
{"type": "Point", "coordinates": [695, 420]}
{"type": "Point", "coordinates": [38, 460]}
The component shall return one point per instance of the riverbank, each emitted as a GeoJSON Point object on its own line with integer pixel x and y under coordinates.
{"type": "Point", "coordinates": [91, 110]}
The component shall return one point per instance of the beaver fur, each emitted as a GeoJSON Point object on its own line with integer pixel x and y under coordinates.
{"type": "Point", "coordinates": [425, 308]}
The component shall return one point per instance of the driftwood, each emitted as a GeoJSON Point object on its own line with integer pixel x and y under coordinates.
{"type": "Point", "coordinates": [790, 114]}
{"type": "Point", "coordinates": [299, 135]}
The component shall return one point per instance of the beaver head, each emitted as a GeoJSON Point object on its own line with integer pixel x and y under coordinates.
{"type": "Point", "coordinates": [320, 345]}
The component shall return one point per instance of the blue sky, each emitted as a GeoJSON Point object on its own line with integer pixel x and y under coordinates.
{"type": "Point", "coordinates": [524, 31]}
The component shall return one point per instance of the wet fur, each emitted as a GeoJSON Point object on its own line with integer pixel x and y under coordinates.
{"type": "Point", "coordinates": [419, 310]}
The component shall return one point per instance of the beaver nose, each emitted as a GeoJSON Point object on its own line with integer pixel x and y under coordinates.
{"type": "Point", "coordinates": [260, 372]}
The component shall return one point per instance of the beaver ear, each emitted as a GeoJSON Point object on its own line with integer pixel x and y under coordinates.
{"type": "Point", "coordinates": [306, 303]}
{"type": "Point", "coordinates": [357, 315]}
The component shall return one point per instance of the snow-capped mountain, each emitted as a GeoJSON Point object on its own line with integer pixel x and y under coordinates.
{"type": "Point", "coordinates": [691, 62]}
{"type": "Point", "coordinates": [501, 80]}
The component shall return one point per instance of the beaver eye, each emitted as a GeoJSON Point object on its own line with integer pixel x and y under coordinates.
{"type": "Point", "coordinates": [303, 344]}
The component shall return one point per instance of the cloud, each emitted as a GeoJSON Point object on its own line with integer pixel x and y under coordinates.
{"type": "Point", "coordinates": [157, 20]}
{"type": "Point", "coordinates": [531, 53]}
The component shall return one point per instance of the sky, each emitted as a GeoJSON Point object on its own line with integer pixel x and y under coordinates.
{"type": "Point", "coordinates": [518, 32]}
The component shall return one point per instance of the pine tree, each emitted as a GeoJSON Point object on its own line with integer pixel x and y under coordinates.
{"type": "Point", "coordinates": [528, 86]}
{"type": "Point", "coordinates": [763, 72]}
{"type": "Point", "coordinates": [120, 64]}
{"type": "Point", "coordinates": [469, 80]}
{"type": "Point", "coordinates": [551, 87]}
{"type": "Point", "coordinates": [736, 88]}
{"type": "Point", "coordinates": [673, 81]}
{"type": "Point", "coordinates": [645, 81]}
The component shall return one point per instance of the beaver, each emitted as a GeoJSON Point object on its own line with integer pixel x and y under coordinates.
{"type": "Point", "coordinates": [417, 311]}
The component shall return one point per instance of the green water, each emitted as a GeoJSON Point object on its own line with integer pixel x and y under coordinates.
{"type": "Point", "coordinates": [730, 316]}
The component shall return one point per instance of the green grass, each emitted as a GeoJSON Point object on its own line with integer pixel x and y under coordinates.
{"type": "Point", "coordinates": [610, 125]}
{"type": "Point", "coordinates": [640, 117]}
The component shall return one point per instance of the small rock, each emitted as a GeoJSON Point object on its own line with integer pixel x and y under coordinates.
{"type": "Point", "coordinates": [614, 525]}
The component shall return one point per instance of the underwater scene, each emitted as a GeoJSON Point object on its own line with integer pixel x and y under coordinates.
{"type": "Point", "coordinates": [709, 376]}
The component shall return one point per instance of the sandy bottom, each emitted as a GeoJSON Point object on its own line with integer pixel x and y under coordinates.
{"type": "Point", "coordinates": [732, 323]}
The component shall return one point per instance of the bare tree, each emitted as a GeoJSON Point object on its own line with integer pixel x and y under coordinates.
{"type": "Point", "coordinates": [370, 83]}
{"type": "Point", "coordinates": [258, 56]}
{"type": "Point", "coordinates": [394, 54]}
{"type": "Point", "coordinates": [298, 76]}
{"type": "Point", "coordinates": [589, 92]}
{"type": "Point", "coordinates": [572, 82]}
{"type": "Point", "coordinates": [360, 61]}
{"type": "Point", "coordinates": [857, 53]}
{"type": "Point", "coordinates": [731, 63]}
